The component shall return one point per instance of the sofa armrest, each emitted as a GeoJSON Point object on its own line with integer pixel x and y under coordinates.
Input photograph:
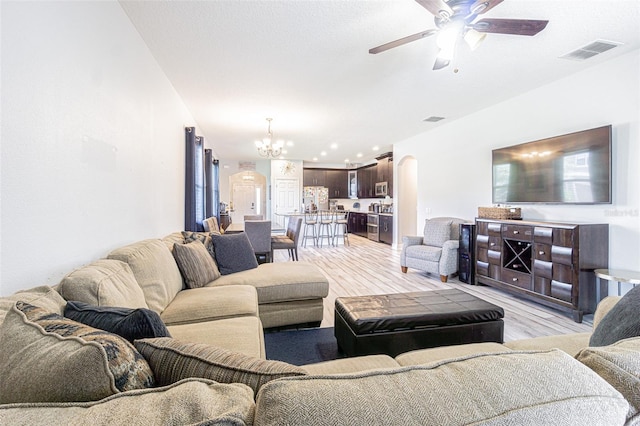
{"type": "Point", "coordinates": [449, 258]}
{"type": "Point", "coordinates": [411, 240]}
{"type": "Point", "coordinates": [603, 308]}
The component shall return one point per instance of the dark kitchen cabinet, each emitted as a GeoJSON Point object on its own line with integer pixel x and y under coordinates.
{"type": "Point", "coordinates": [314, 177]}
{"type": "Point", "coordinates": [337, 182]}
{"type": "Point", "coordinates": [385, 227]}
{"type": "Point", "coordinates": [384, 173]}
{"type": "Point", "coordinates": [366, 181]}
{"type": "Point", "coordinates": [358, 224]}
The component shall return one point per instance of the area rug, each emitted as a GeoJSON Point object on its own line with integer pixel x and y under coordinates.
{"type": "Point", "coordinates": [300, 347]}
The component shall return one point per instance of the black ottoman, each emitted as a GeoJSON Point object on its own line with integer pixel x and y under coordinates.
{"type": "Point", "coordinates": [396, 323]}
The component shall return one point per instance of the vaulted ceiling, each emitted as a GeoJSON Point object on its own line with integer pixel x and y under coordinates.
{"type": "Point", "coordinates": [305, 63]}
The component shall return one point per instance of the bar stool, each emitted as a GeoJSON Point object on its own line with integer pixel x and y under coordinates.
{"type": "Point", "coordinates": [310, 222]}
{"type": "Point", "coordinates": [326, 220]}
{"type": "Point", "coordinates": [341, 223]}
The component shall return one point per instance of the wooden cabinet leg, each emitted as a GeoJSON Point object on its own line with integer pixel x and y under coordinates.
{"type": "Point", "coordinates": [404, 269]}
{"type": "Point", "coordinates": [444, 278]}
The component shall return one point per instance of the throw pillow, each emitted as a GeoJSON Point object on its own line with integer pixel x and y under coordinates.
{"type": "Point", "coordinates": [195, 263]}
{"type": "Point", "coordinates": [126, 322]}
{"type": "Point", "coordinates": [233, 253]}
{"type": "Point", "coordinates": [173, 360]}
{"type": "Point", "coordinates": [621, 322]}
{"type": "Point", "coordinates": [203, 237]}
{"type": "Point", "coordinates": [436, 232]}
{"type": "Point", "coordinates": [48, 358]}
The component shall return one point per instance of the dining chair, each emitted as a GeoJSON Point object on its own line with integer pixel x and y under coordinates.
{"type": "Point", "coordinates": [210, 224]}
{"type": "Point", "coordinates": [310, 223]}
{"type": "Point", "coordinates": [290, 240]}
{"type": "Point", "coordinates": [324, 231]}
{"type": "Point", "coordinates": [259, 234]}
{"type": "Point", "coordinates": [341, 227]}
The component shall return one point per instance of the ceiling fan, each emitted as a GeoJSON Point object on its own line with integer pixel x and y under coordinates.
{"type": "Point", "coordinates": [454, 19]}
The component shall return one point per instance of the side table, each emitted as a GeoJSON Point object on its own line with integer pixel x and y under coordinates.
{"type": "Point", "coordinates": [619, 275]}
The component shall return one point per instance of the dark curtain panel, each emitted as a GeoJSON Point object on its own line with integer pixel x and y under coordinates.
{"type": "Point", "coordinates": [194, 209]}
{"type": "Point", "coordinates": [212, 193]}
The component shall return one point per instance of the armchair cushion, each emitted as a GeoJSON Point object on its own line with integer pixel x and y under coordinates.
{"type": "Point", "coordinates": [429, 253]}
{"type": "Point", "coordinates": [436, 232]}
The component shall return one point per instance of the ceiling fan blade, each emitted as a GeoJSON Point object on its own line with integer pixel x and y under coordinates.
{"type": "Point", "coordinates": [482, 6]}
{"type": "Point", "coordinates": [400, 42]}
{"type": "Point", "coordinates": [436, 6]}
{"type": "Point", "coordinates": [528, 27]}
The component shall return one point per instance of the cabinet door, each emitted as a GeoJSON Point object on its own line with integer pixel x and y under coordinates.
{"type": "Point", "coordinates": [386, 229]}
{"type": "Point", "coordinates": [337, 181]}
{"type": "Point", "coordinates": [314, 177]}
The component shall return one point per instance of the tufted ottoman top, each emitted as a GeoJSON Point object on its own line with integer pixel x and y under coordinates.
{"type": "Point", "coordinates": [390, 312]}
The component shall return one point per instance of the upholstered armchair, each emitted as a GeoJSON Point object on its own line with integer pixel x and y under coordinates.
{"type": "Point", "coordinates": [435, 252]}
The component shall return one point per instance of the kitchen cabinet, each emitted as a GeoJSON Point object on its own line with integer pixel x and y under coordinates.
{"type": "Point", "coordinates": [550, 263]}
{"type": "Point", "coordinates": [358, 224]}
{"type": "Point", "coordinates": [384, 173]}
{"type": "Point", "coordinates": [366, 181]}
{"type": "Point", "coordinates": [337, 182]}
{"type": "Point", "coordinates": [385, 227]}
{"type": "Point", "coordinates": [314, 177]}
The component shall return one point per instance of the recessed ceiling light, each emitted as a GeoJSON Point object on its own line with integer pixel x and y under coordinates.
{"type": "Point", "coordinates": [289, 143]}
{"type": "Point", "coordinates": [334, 146]}
{"type": "Point", "coordinates": [359, 155]}
{"type": "Point", "coordinates": [375, 148]}
{"type": "Point", "coordinates": [315, 158]}
{"type": "Point", "coordinates": [346, 160]}
{"type": "Point", "coordinates": [284, 151]}
{"type": "Point", "coordinates": [323, 153]}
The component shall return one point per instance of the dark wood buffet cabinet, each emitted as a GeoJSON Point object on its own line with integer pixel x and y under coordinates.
{"type": "Point", "coordinates": [551, 263]}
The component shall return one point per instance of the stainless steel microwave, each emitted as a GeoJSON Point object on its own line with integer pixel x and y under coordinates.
{"type": "Point", "coordinates": [382, 189]}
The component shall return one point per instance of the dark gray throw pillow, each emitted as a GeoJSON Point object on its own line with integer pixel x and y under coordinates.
{"type": "Point", "coordinates": [130, 324]}
{"type": "Point", "coordinates": [621, 322]}
{"type": "Point", "coordinates": [233, 253]}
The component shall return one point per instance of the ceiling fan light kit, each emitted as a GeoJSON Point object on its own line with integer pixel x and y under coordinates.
{"type": "Point", "coordinates": [455, 20]}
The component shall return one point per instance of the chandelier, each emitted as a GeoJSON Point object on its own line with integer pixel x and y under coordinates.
{"type": "Point", "coordinates": [267, 147]}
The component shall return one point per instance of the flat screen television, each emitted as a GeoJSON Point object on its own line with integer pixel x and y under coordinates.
{"type": "Point", "coordinates": [567, 169]}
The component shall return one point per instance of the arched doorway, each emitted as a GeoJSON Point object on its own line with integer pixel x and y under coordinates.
{"type": "Point", "coordinates": [407, 199]}
{"type": "Point", "coordinates": [247, 195]}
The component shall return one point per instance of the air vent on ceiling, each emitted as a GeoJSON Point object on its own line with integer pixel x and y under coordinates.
{"type": "Point", "coordinates": [592, 49]}
{"type": "Point", "coordinates": [433, 119]}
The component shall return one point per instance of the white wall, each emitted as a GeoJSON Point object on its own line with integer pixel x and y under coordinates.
{"type": "Point", "coordinates": [608, 93]}
{"type": "Point", "coordinates": [92, 140]}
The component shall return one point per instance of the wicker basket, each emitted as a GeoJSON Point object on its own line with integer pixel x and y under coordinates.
{"type": "Point", "coordinates": [499, 212]}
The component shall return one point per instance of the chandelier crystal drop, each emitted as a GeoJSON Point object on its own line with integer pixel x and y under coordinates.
{"type": "Point", "coordinates": [268, 147]}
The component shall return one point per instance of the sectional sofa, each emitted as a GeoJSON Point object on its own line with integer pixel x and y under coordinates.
{"type": "Point", "coordinates": [205, 362]}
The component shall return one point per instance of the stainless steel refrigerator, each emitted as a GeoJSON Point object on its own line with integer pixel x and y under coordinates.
{"type": "Point", "coordinates": [315, 197]}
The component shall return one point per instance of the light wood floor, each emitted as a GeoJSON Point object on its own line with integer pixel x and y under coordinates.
{"type": "Point", "coordinates": [366, 267]}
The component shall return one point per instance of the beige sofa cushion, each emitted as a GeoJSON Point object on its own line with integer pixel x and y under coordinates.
{"type": "Point", "coordinates": [351, 365]}
{"type": "Point", "coordinates": [618, 364]}
{"type": "Point", "coordinates": [48, 358]}
{"type": "Point", "coordinates": [155, 270]}
{"type": "Point", "coordinates": [210, 303]}
{"type": "Point", "coordinates": [43, 296]}
{"type": "Point", "coordinates": [105, 282]}
{"type": "Point", "coordinates": [516, 388]}
{"type": "Point", "coordinates": [193, 401]}
{"type": "Point", "coordinates": [426, 356]}
{"type": "Point", "coordinates": [569, 343]}
{"type": "Point", "coordinates": [279, 282]}
{"type": "Point", "coordinates": [241, 334]}
{"type": "Point", "coordinates": [172, 360]}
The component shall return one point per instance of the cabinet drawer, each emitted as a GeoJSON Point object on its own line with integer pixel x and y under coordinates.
{"type": "Point", "coordinates": [561, 291]}
{"type": "Point", "coordinates": [493, 257]}
{"type": "Point", "coordinates": [482, 268]}
{"type": "Point", "coordinates": [563, 255]}
{"type": "Point", "coordinates": [517, 232]}
{"type": "Point", "coordinates": [482, 241]}
{"type": "Point", "coordinates": [495, 243]}
{"type": "Point", "coordinates": [494, 229]}
{"type": "Point", "coordinates": [517, 279]}
{"type": "Point", "coordinates": [543, 235]}
{"type": "Point", "coordinates": [542, 251]}
{"type": "Point", "coordinates": [564, 273]}
{"type": "Point", "coordinates": [543, 269]}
